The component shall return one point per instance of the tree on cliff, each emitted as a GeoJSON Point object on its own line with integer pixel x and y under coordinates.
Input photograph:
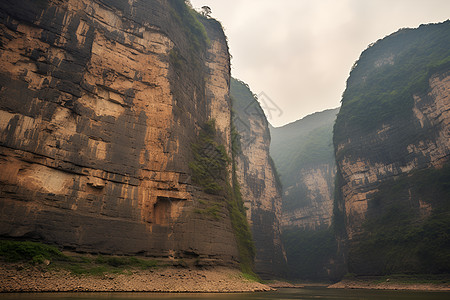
{"type": "Point", "coordinates": [206, 11]}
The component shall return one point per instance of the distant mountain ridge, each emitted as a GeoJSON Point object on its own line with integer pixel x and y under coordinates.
{"type": "Point", "coordinates": [303, 143]}
{"type": "Point", "coordinates": [303, 154]}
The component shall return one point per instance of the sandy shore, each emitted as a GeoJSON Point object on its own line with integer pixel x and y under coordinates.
{"type": "Point", "coordinates": [387, 285]}
{"type": "Point", "coordinates": [277, 284]}
{"type": "Point", "coordinates": [218, 279]}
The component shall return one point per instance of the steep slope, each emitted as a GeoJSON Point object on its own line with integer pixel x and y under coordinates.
{"type": "Point", "coordinates": [256, 176]}
{"type": "Point", "coordinates": [100, 102]}
{"type": "Point", "coordinates": [304, 156]}
{"type": "Point", "coordinates": [392, 144]}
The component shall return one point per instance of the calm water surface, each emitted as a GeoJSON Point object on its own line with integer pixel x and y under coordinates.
{"type": "Point", "coordinates": [305, 293]}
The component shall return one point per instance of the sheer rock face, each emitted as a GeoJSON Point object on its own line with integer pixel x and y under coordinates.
{"type": "Point", "coordinates": [262, 200]}
{"type": "Point", "coordinates": [361, 174]}
{"type": "Point", "coordinates": [304, 156]}
{"type": "Point", "coordinates": [392, 148]}
{"type": "Point", "coordinates": [96, 125]}
{"type": "Point", "coordinates": [256, 177]}
{"type": "Point", "coordinates": [317, 212]}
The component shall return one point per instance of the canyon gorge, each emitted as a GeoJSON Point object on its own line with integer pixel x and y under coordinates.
{"type": "Point", "coordinates": [122, 132]}
{"type": "Point", "coordinates": [100, 105]}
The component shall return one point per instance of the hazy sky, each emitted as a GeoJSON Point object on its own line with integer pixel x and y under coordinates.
{"type": "Point", "coordinates": [299, 52]}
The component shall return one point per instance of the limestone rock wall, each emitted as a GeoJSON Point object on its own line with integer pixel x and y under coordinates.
{"type": "Point", "coordinates": [304, 157]}
{"type": "Point", "coordinates": [96, 122]}
{"type": "Point", "coordinates": [361, 174]}
{"type": "Point", "coordinates": [256, 176]}
{"type": "Point", "coordinates": [317, 212]}
{"type": "Point", "coordinates": [392, 148]}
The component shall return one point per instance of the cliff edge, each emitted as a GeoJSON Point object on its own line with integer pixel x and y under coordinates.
{"type": "Point", "coordinates": [256, 175]}
{"type": "Point", "coordinates": [100, 103]}
{"type": "Point", "coordinates": [392, 145]}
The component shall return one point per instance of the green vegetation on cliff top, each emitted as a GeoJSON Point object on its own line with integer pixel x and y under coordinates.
{"type": "Point", "coordinates": [194, 29]}
{"type": "Point", "coordinates": [244, 101]}
{"type": "Point", "coordinates": [187, 59]}
{"type": "Point", "coordinates": [386, 76]}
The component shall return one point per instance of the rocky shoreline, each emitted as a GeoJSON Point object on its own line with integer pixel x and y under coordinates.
{"type": "Point", "coordinates": [388, 285]}
{"type": "Point", "coordinates": [16, 278]}
{"type": "Point", "coordinates": [277, 284]}
{"type": "Point", "coordinates": [174, 280]}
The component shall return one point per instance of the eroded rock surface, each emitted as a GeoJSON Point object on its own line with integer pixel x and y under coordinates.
{"type": "Point", "coordinates": [99, 104]}
{"type": "Point", "coordinates": [315, 210]}
{"type": "Point", "coordinates": [392, 149]}
{"type": "Point", "coordinates": [362, 174]}
{"type": "Point", "coordinates": [304, 157]}
{"type": "Point", "coordinates": [303, 154]}
{"type": "Point", "coordinates": [256, 176]}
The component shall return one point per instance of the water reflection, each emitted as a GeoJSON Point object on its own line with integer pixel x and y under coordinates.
{"type": "Point", "coordinates": [287, 294]}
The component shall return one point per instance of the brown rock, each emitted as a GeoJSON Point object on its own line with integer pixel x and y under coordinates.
{"type": "Point", "coordinates": [96, 123]}
{"type": "Point", "coordinates": [256, 178]}
{"type": "Point", "coordinates": [377, 163]}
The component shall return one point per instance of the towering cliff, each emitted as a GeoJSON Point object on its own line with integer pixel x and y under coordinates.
{"type": "Point", "coordinates": [392, 144]}
{"type": "Point", "coordinates": [100, 102]}
{"type": "Point", "coordinates": [304, 156]}
{"type": "Point", "coordinates": [257, 178]}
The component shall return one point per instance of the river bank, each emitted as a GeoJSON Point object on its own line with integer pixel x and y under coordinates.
{"type": "Point", "coordinates": [390, 284]}
{"type": "Point", "coordinates": [22, 277]}
{"type": "Point", "coordinates": [26, 278]}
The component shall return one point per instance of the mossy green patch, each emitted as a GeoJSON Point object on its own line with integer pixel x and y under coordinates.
{"type": "Point", "coordinates": [212, 211]}
{"type": "Point", "coordinates": [32, 252]}
{"type": "Point", "coordinates": [251, 277]}
{"type": "Point", "coordinates": [210, 160]}
{"type": "Point", "coordinates": [209, 170]}
{"type": "Point", "coordinates": [38, 254]}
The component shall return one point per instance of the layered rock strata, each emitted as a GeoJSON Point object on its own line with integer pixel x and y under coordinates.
{"type": "Point", "coordinates": [318, 210]}
{"type": "Point", "coordinates": [99, 104]}
{"type": "Point", "coordinates": [256, 176]}
{"type": "Point", "coordinates": [304, 157]}
{"type": "Point", "coordinates": [391, 165]}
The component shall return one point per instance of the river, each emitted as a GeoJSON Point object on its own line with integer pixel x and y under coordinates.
{"type": "Point", "coordinates": [304, 293]}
